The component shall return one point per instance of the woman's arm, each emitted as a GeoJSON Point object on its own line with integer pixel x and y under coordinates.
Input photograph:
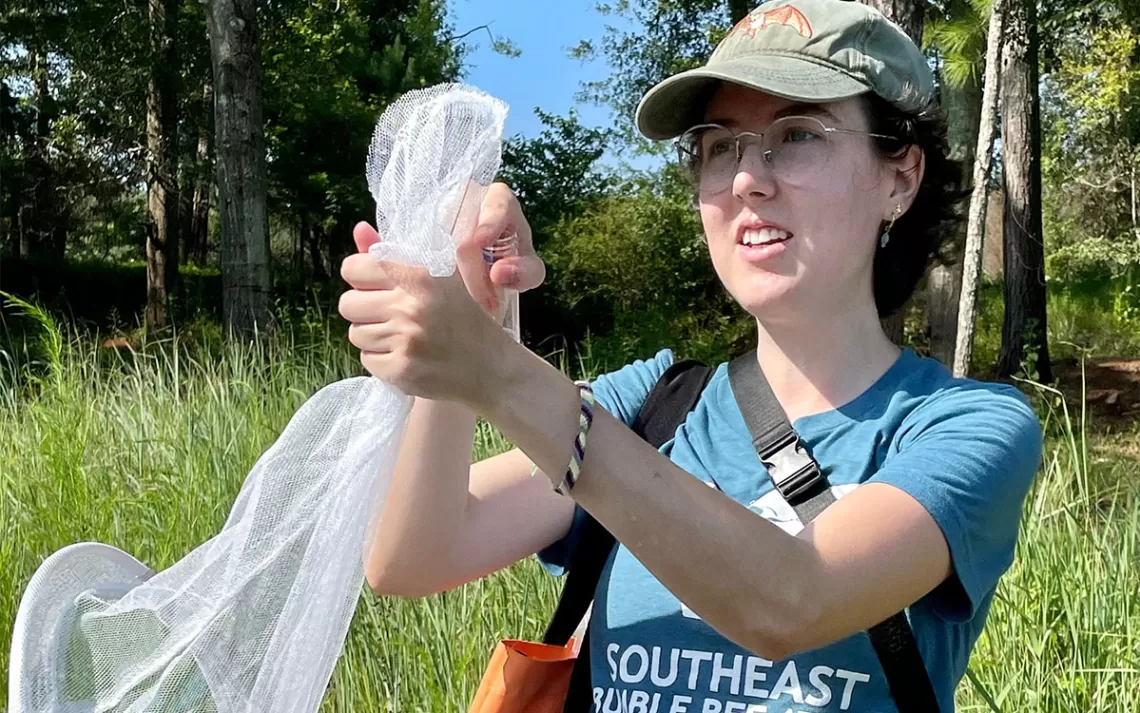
{"type": "Point", "coordinates": [447, 522]}
{"type": "Point", "coordinates": [771, 593]}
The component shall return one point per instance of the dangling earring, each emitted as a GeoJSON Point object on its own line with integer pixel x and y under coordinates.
{"type": "Point", "coordinates": [887, 233]}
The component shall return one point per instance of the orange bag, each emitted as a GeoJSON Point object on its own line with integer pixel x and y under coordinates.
{"type": "Point", "coordinates": [525, 677]}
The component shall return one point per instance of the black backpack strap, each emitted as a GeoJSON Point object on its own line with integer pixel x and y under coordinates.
{"type": "Point", "coordinates": [668, 404]}
{"type": "Point", "coordinates": [798, 478]}
{"type": "Point", "coordinates": [794, 473]}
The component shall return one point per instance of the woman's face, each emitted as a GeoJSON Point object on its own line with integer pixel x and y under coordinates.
{"type": "Point", "coordinates": [818, 235]}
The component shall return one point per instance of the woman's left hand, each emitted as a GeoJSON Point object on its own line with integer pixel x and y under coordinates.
{"type": "Point", "coordinates": [425, 335]}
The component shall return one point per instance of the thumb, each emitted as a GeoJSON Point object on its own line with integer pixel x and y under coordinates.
{"type": "Point", "coordinates": [364, 235]}
{"type": "Point", "coordinates": [522, 272]}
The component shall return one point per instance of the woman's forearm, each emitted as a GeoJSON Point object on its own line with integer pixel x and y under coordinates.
{"type": "Point", "coordinates": [426, 502]}
{"type": "Point", "coordinates": [714, 554]}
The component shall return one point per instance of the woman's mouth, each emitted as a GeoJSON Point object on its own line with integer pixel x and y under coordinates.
{"type": "Point", "coordinates": [761, 244]}
{"type": "Point", "coordinates": [754, 237]}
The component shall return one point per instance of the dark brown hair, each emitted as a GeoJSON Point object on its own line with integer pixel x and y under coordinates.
{"type": "Point", "coordinates": [925, 234]}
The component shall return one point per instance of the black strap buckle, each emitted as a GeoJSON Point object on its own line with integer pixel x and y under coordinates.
{"type": "Point", "coordinates": [793, 471]}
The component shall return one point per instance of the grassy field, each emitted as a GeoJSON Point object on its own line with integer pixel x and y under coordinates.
{"type": "Point", "coordinates": [146, 451]}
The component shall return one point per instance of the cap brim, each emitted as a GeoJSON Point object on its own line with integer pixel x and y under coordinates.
{"type": "Point", "coordinates": [678, 103]}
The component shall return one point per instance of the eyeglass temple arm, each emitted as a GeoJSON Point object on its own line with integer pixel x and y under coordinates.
{"type": "Point", "coordinates": [856, 132]}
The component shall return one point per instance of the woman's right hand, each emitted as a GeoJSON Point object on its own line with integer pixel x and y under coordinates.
{"type": "Point", "coordinates": [446, 521]}
{"type": "Point", "coordinates": [500, 214]}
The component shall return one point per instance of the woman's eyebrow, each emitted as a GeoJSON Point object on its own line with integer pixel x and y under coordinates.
{"type": "Point", "coordinates": [804, 109]}
{"type": "Point", "coordinates": [798, 109]}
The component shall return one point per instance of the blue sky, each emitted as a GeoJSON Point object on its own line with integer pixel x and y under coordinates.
{"type": "Point", "coordinates": [544, 75]}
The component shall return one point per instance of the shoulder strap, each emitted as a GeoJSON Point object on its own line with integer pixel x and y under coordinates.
{"type": "Point", "coordinates": [797, 477]}
{"type": "Point", "coordinates": [794, 473]}
{"type": "Point", "coordinates": [669, 402]}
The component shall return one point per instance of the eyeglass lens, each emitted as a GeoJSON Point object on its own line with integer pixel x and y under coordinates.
{"type": "Point", "coordinates": [796, 149]}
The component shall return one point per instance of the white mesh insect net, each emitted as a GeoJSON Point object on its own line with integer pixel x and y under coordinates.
{"type": "Point", "coordinates": [255, 618]}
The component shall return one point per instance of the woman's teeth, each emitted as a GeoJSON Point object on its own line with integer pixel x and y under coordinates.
{"type": "Point", "coordinates": [765, 235]}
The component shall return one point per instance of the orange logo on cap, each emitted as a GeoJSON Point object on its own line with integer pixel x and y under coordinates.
{"type": "Point", "coordinates": [787, 15]}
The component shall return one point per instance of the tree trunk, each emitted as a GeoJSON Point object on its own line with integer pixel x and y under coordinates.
{"type": "Point", "coordinates": [336, 247]}
{"type": "Point", "coordinates": [964, 108]}
{"type": "Point", "coordinates": [908, 15]}
{"type": "Point", "coordinates": [197, 234]}
{"type": "Point", "coordinates": [161, 161]}
{"type": "Point", "coordinates": [739, 9]}
{"type": "Point", "coordinates": [1024, 333]}
{"type": "Point", "coordinates": [239, 150]}
{"type": "Point", "coordinates": [36, 239]}
{"type": "Point", "coordinates": [7, 228]}
{"type": "Point", "coordinates": [979, 200]}
{"type": "Point", "coordinates": [310, 241]}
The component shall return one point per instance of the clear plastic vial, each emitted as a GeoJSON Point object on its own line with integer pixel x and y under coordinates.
{"type": "Point", "coordinates": [505, 246]}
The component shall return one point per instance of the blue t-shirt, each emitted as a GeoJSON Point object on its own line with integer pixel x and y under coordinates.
{"type": "Point", "coordinates": [967, 450]}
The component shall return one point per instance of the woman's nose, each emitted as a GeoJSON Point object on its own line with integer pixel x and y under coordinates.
{"type": "Point", "coordinates": [754, 177]}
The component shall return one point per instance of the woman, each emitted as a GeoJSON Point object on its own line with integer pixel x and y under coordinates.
{"type": "Point", "coordinates": [816, 224]}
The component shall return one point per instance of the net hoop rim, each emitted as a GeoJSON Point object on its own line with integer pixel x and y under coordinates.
{"type": "Point", "coordinates": [40, 609]}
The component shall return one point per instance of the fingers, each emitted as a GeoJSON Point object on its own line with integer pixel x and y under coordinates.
{"type": "Point", "coordinates": [390, 366]}
{"type": "Point", "coordinates": [360, 270]}
{"type": "Point", "coordinates": [364, 235]}
{"type": "Point", "coordinates": [522, 273]}
{"type": "Point", "coordinates": [367, 307]}
{"type": "Point", "coordinates": [499, 214]}
{"type": "Point", "coordinates": [494, 220]}
{"type": "Point", "coordinates": [373, 338]}
{"type": "Point", "coordinates": [364, 273]}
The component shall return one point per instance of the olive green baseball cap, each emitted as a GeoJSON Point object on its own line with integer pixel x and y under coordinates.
{"type": "Point", "coordinates": [803, 50]}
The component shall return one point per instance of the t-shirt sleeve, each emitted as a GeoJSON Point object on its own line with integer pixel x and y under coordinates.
{"type": "Point", "coordinates": [622, 393]}
{"type": "Point", "coordinates": [969, 456]}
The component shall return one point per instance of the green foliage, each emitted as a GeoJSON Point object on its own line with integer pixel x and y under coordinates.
{"type": "Point", "coordinates": [636, 262]}
{"type": "Point", "coordinates": [957, 30]}
{"type": "Point", "coordinates": [1091, 141]}
{"type": "Point", "coordinates": [1049, 645]}
{"type": "Point", "coordinates": [146, 450]}
{"type": "Point", "coordinates": [47, 345]}
{"type": "Point", "coordinates": [555, 176]}
{"type": "Point", "coordinates": [72, 93]}
{"type": "Point", "coordinates": [1074, 258]}
{"type": "Point", "coordinates": [107, 296]}
{"type": "Point", "coordinates": [1091, 312]}
{"type": "Point", "coordinates": [665, 37]}
{"type": "Point", "coordinates": [330, 69]}
{"type": "Point", "coordinates": [1099, 314]}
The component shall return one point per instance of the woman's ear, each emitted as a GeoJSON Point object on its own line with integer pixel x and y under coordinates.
{"type": "Point", "coordinates": [908, 170]}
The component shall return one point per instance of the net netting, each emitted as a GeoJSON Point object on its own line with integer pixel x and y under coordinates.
{"type": "Point", "coordinates": [255, 618]}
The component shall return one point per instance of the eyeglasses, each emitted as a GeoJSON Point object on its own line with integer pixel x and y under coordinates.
{"type": "Point", "coordinates": [797, 149]}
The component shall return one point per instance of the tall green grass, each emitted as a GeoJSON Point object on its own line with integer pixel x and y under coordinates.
{"type": "Point", "coordinates": [1064, 632]}
{"type": "Point", "coordinates": [146, 449]}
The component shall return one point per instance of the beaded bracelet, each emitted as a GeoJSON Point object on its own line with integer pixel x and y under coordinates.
{"type": "Point", "coordinates": [578, 454]}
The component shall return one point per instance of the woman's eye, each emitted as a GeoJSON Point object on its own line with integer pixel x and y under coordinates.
{"type": "Point", "coordinates": [796, 136]}
{"type": "Point", "coordinates": [721, 146]}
